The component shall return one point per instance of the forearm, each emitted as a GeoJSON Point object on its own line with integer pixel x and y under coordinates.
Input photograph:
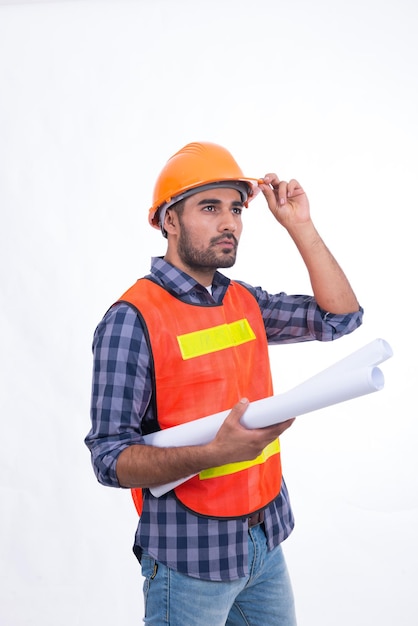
{"type": "Point", "coordinates": [331, 288]}
{"type": "Point", "coordinates": [149, 466]}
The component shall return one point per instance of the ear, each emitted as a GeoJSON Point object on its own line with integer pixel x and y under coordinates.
{"type": "Point", "coordinates": [170, 222]}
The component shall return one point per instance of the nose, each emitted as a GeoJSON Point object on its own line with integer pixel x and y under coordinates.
{"type": "Point", "coordinates": [227, 222]}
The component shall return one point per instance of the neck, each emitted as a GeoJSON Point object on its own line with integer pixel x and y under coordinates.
{"type": "Point", "coordinates": [204, 276]}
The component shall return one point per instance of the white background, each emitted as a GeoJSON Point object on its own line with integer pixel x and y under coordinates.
{"type": "Point", "coordinates": [94, 98]}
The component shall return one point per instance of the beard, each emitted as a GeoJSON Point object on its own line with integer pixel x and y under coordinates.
{"type": "Point", "coordinates": [212, 257]}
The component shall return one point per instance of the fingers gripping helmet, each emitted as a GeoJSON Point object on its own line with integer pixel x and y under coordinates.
{"type": "Point", "coordinates": [197, 166]}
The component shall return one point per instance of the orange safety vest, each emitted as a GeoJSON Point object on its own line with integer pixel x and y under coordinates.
{"type": "Point", "coordinates": [205, 358]}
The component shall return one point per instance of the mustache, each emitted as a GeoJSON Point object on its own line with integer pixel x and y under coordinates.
{"type": "Point", "coordinates": [230, 236]}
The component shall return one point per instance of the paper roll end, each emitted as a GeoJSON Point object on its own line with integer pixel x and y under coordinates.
{"type": "Point", "coordinates": [377, 378]}
{"type": "Point", "coordinates": [386, 348]}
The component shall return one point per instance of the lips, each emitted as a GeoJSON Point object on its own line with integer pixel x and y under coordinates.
{"type": "Point", "coordinates": [226, 242]}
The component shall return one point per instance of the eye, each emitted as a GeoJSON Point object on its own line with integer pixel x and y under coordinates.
{"type": "Point", "coordinates": [209, 207]}
{"type": "Point", "coordinates": [237, 210]}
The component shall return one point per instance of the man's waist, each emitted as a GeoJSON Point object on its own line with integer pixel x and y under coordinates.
{"type": "Point", "coordinates": [256, 518]}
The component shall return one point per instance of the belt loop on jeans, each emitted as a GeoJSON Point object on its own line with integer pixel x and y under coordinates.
{"type": "Point", "coordinates": [256, 518]}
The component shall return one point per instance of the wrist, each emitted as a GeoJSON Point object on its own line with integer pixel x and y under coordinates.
{"type": "Point", "coordinates": [304, 233]}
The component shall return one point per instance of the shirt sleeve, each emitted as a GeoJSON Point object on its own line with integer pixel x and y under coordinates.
{"type": "Point", "coordinates": [121, 390]}
{"type": "Point", "coordinates": [296, 318]}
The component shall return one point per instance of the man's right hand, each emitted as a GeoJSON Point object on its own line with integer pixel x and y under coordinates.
{"type": "Point", "coordinates": [235, 443]}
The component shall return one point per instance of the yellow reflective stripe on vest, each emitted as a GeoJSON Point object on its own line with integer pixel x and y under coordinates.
{"type": "Point", "coordinates": [233, 468]}
{"type": "Point", "coordinates": [214, 339]}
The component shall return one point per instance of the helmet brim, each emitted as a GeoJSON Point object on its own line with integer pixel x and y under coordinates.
{"type": "Point", "coordinates": [248, 188]}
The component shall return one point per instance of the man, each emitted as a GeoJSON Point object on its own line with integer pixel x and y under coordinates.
{"type": "Point", "coordinates": [186, 342]}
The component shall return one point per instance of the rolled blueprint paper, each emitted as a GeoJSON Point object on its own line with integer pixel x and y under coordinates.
{"type": "Point", "coordinates": [353, 376]}
{"type": "Point", "coordinates": [372, 353]}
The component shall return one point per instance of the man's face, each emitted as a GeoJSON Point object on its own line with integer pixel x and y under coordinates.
{"type": "Point", "coordinates": [210, 227]}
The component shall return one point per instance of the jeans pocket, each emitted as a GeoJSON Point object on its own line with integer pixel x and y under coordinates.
{"type": "Point", "coordinates": [149, 568]}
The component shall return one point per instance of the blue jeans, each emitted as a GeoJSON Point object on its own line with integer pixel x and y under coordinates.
{"type": "Point", "coordinates": [263, 598]}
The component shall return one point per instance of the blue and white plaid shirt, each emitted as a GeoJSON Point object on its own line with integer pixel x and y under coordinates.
{"type": "Point", "coordinates": [121, 404]}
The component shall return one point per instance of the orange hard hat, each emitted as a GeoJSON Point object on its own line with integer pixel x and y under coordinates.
{"type": "Point", "coordinates": [196, 165]}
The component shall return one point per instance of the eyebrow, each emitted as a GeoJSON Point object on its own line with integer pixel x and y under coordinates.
{"type": "Point", "coordinates": [217, 201]}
